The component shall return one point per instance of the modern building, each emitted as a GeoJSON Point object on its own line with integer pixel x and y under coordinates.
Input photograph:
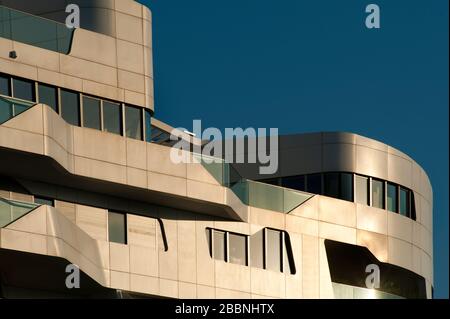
{"type": "Point", "coordinates": [86, 179]}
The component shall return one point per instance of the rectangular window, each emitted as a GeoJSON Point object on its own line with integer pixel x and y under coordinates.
{"type": "Point", "coordinates": [23, 89]}
{"type": "Point", "coordinates": [112, 117]}
{"type": "Point", "coordinates": [392, 197]}
{"type": "Point", "coordinates": [331, 188]}
{"type": "Point", "coordinates": [117, 228]}
{"type": "Point", "coordinates": [70, 111]}
{"type": "Point", "coordinates": [44, 201]}
{"type": "Point", "coordinates": [377, 193]}
{"type": "Point", "coordinates": [48, 95]}
{"type": "Point", "coordinates": [404, 202]}
{"type": "Point", "coordinates": [273, 250]}
{"type": "Point", "coordinates": [257, 249]}
{"type": "Point", "coordinates": [219, 247]}
{"type": "Point", "coordinates": [362, 189]}
{"type": "Point", "coordinates": [91, 113]}
{"type": "Point", "coordinates": [4, 85]}
{"type": "Point", "coordinates": [294, 182]}
{"type": "Point", "coordinates": [133, 122]}
{"type": "Point", "coordinates": [237, 249]}
{"type": "Point", "coordinates": [148, 126]}
{"type": "Point", "coordinates": [6, 110]}
{"type": "Point", "coordinates": [314, 183]}
{"type": "Point", "coordinates": [346, 187]}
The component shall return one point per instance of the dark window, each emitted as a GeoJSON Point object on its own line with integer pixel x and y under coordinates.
{"type": "Point", "coordinates": [23, 89]}
{"type": "Point", "coordinates": [377, 193]}
{"type": "Point", "coordinates": [4, 86]}
{"type": "Point", "coordinates": [117, 228]}
{"type": "Point", "coordinates": [294, 182]}
{"type": "Point", "coordinates": [237, 249]}
{"type": "Point", "coordinates": [133, 122]}
{"type": "Point", "coordinates": [257, 249]}
{"type": "Point", "coordinates": [219, 247]}
{"type": "Point", "coordinates": [112, 117]}
{"type": "Point", "coordinates": [91, 113]}
{"type": "Point", "coordinates": [392, 197]}
{"type": "Point", "coordinates": [314, 183]}
{"type": "Point", "coordinates": [273, 250]}
{"type": "Point", "coordinates": [70, 107]}
{"type": "Point", "coordinates": [346, 187]}
{"type": "Point", "coordinates": [362, 189]}
{"type": "Point", "coordinates": [404, 202]}
{"type": "Point", "coordinates": [148, 126]}
{"type": "Point", "coordinates": [48, 95]}
{"type": "Point", "coordinates": [44, 201]}
{"type": "Point", "coordinates": [6, 110]}
{"type": "Point", "coordinates": [331, 185]}
{"type": "Point", "coordinates": [271, 181]}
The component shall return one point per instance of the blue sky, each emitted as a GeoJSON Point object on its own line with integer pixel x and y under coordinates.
{"type": "Point", "coordinates": [305, 66]}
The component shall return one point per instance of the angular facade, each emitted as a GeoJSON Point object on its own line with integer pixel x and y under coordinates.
{"type": "Point", "coordinates": [86, 179]}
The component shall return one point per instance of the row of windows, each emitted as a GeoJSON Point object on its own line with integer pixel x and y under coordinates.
{"type": "Point", "coordinates": [269, 249]}
{"type": "Point", "coordinates": [82, 110]}
{"type": "Point", "coordinates": [355, 188]}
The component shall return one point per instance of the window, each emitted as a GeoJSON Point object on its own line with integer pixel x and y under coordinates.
{"type": "Point", "coordinates": [377, 193]}
{"type": "Point", "coordinates": [346, 187]}
{"type": "Point", "coordinates": [44, 201]}
{"type": "Point", "coordinates": [273, 250]}
{"type": "Point", "coordinates": [219, 247]}
{"type": "Point", "coordinates": [112, 117]}
{"type": "Point", "coordinates": [362, 189]}
{"type": "Point", "coordinates": [331, 185]}
{"type": "Point", "coordinates": [91, 113]}
{"type": "Point", "coordinates": [117, 228]}
{"type": "Point", "coordinates": [133, 122]}
{"type": "Point", "coordinates": [70, 107]}
{"type": "Point", "coordinates": [392, 197]}
{"type": "Point", "coordinates": [404, 208]}
{"type": "Point", "coordinates": [257, 250]}
{"type": "Point", "coordinates": [294, 182]}
{"type": "Point", "coordinates": [4, 86]}
{"type": "Point", "coordinates": [237, 249]}
{"type": "Point", "coordinates": [314, 183]}
{"type": "Point", "coordinates": [148, 126]}
{"type": "Point", "coordinates": [271, 181]}
{"type": "Point", "coordinates": [48, 95]}
{"type": "Point", "coordinates": [23, 89]}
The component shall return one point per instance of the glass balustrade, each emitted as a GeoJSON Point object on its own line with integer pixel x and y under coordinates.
{"type": "Point", "coordinates": [33, 30]}
{"type": "Point", "coordinates": [11, 211]}
{"type": "Point", "coordinates": [11, 107]}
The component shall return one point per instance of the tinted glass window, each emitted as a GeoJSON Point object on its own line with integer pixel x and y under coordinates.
{"type": "Point", "coordinates": [257, 249]}
{"type": "Point", "coordinates": [117, 228]}
{"type": "Point", "coordinates": [362, 189]}
{"type": "Point", "coordinates": [6, 110]}
{"type": "Point", "coordinates": [404, 202]}
{"type": "Point", "coordinates": [314, 183]}
{"type": "Point", "coordinates": [23, 89]}
{"type": "Point", "coordinates": [392, 197]}
{"type": "Point", "coordinates": [346, 187]}
{"type": "Point", "coordinates": [70, 107]}
{"type": "Point", "coordinates": [43, 201]}
{"type": "Point", "coordinates": [112, 117]}
{"type": "Point", "coordinates": [4, 86]}
{"type": "Point", "coordinates": [48, 95]}
{"type": "Point", "coordinates": [133, 122]}
{"type": "Point", "coordinates": [273, 258]}
{"type": "Point", "coordinates": [91, 113]}
{"type": "Point", "coordinates": [331, 184]}
{"type": "Point", "coordinates": [219, 245]}
{"type": "Point", "coordinates": [377, 193]}
{"type": "Point", "coordinates": [238, 249]}
{"type": "Point", "coordinates": [294, 182]}
{"type": "Point", "coordinates": [148, 126]}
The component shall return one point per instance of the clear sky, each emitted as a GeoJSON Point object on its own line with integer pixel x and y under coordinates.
{"type": "Point", "coordinates": [305, 66]}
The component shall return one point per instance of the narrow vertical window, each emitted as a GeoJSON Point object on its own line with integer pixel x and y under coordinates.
{"type": "Point", "coordinates": [112, 117]}
{"type": "Point", "coordinates": [148, 126]}
{"type": "Point", "coordinates": [257, 249]}
{"type": "Point", "coordinates": [117, 228]}
{"type": "Point", "coordinates": [346, 186]}
{"type": "Point", "coordinates": [273, 250]}
{"type": "Point", "coordinates": [70, 110]}
{"type": "Point", "coordinates": [392, 197]}
{"type": "Point", "coordinates": [48, 95]}
{"type": "Point", "coordinates": [91, 113]}
{"type": "Point", "coordinates": [133, 122]}
{"type": "Point", "coordinates": [4, 86]}
{"type": "Point", "coordinates": [362, 189]}
{"type": "Point", "coordinates": [377, 193]}
{"type": "Point", "coordinates": [331, 183]}
{"type": "Point", "coordinates": [237, 249]}
{"type": "Point", "coordinates": [314, 183]}
{"type": "Point", "coordinates": [219, 247]}
{"type": "Point", "coordinates": [404, 202]}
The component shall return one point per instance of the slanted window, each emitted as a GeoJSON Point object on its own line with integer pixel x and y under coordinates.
{"type": "Point", "coordinates": [48, 95]}
{"type": "Point", "coordinates": [23, 89]}
{"type": "Point", "coordinates": [70, 111]}
{"type": "Point", "coordinates": [117, 228]}
{"type": "Point", "coordinates": [237, 249]}
{"type": "Point", "coordinates": [392, 197]}
{"type": "Point", "coordinates": [112, 117]}
{"type": "Point", "coordinates": [133, 122]}
{"type": "Point", "coordinates": [362, 189]}
{"type": "Point", "coordinates": [91, 113]}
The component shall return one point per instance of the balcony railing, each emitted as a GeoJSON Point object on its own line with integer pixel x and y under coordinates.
{"type": "Point", "coordinates": [11, 107]}
{"type": "Point", "coordinates": [33, 30]}
{"type": "Point", "coordinates": [11, 210]}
